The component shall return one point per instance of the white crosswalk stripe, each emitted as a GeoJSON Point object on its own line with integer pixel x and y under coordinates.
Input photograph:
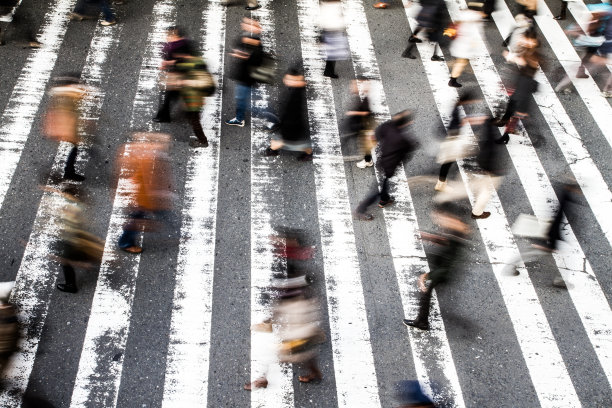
{"type": "Point", "coordinates": [356, 356]}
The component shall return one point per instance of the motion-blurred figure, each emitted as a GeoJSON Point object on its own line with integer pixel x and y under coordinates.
{"type": "Point", "coordinates": [246, 56]}
{"type": "Point", "coordinates": [76, 247]}
{"type": "Point", "coordinates": [9, 326]}
{"type": "Point", "coordinates": [85, 9]}
{"type": "Point", "coordinates": [18, 22]}
{"type": "Point", "coordinates": [145, 162]}
{"type": "Point", "coordinates": [450, 243]}
{"type": "Point", "coordinates": [526, 56]}
{"type": "Point", "coordinates": [333, 35]}
{"type": "Point", "coordinates": [455, 146]}
{"type": "Point", "coordinates": [177, 45]}
{"type": "Point", "coordinates": [528, 8]}
{"type": "Point", "coordinates": [545, 236]}
{"type": "Point", "coordinates": [464, 46]}
{"type": "Point", "coordinates": [410, 395]}
{"type": "Point", "coordinates": [396, 145]}
{"type": "Point", "coordinates": [431, 19]}
{"type": "Point", "coordinates": [63, 118]}
{"type": "Point", "coordinates": [294, 129]}
{"type": "Point", "coordinates": [360, 121]}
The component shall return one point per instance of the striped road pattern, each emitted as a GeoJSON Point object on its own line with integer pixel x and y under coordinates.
{"type": "Point", "coordinates": [150, 330]}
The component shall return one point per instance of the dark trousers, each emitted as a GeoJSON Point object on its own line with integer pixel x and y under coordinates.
{"type": "Point", "coordinates": [371, 199]}
{"type": "Point", "coordinates": [330, 68]}
{"type": "Point", "coordinates": [165, 101]}
{"type": "Point", "coordinates": [131, 230]}
{"type": "Point", "coordinates": [102, 5]}
{"type": "Point", "coordinates": [69, 275]}
{"type": "Point", "coordinates": [424, 304]}
{"type": "Point", "coordinates": [70, 161]}
{"type": "Point", "coordinates": [444, 169]}
{"type": "Point", "coordinates": [194, 121]}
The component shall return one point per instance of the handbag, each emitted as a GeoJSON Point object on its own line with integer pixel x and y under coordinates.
{"type": "Point", "coordinates": [454, 148]}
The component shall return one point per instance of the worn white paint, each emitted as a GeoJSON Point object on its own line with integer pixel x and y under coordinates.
{"type": "Point", "coordinates": [99, 374]}
{"type": "Point", "coordinates": [265, 188]}
{"type": "Point", "coordinates": [36, 277]}
{"type": "Point", "coordinates": [585, 291]}
{"type": "Point", "coordinates": [22, 107]}
{"type": "Point", "coordinates": [542, 357]}
{"type": "Point", "coordinates": [350, 336]}
{"type": "Point", "coordinates": [188, 358]}
{"type": "Point", "coordinates": [588, 90]}
{"type": "Point", "coordinates": [430, 350]}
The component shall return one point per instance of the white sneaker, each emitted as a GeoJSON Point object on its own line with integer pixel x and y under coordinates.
{"type": "Point", "coordinates": [440, 186]}
{"type": "Point", "coordinates": [363, 164]}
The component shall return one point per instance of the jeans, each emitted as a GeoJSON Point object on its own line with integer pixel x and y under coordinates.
{"type": "Point", "coordinates": [70, 161]}
{"type": "Point", "coordinates": [131, 229]}
{"type": "Point", "coordinates": [102, 5]}
{"type": "Point", "coordinates": [243, 98]}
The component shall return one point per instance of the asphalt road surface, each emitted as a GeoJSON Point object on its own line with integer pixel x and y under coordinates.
{"type": "Point", "coordinates": [171, 327]}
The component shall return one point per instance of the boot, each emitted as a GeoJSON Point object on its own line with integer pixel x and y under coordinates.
{"type": "Point", "coordinates": [581, 72]}
{"type": "Point", "coordinates": [453, 82]}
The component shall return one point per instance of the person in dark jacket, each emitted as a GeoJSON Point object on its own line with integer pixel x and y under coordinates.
{"type": "Point", "coordinates": [443, 263]}
{"type": "Point", "coordinates": [247, 54]}
{"type": "Point", "coordinates": [491, 163]}
{"type": "Point", "coordinates": [294, 129]}
{"type": "Point", "coordinates": [395, 146]}
{"type": "Point", "coordinates": [431, 19]}
{"type": "Point", "coordinates": [176, 46]}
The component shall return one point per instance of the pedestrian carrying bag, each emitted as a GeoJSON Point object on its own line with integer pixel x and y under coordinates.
{"type": "Point", "coordinates": [265, 72]}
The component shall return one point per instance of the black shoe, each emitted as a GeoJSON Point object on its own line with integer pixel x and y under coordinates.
{"type": "Point", "coordinates": [383, 204]}
{"type": "Point", "coordinates": [559, 17]}
{"type": "Point", "coordinates": [332, 75]}
{"type": "Point", "coordinates": [161, 119]}
{"type": "Point", "coordinates": [504, 139]}
{"type": "Point", "coordinates": [363, 216]}
{"type": "Point", "coordinates": [304, 157]}
{"type": "Point", "coordinates": [485, 214]}
{"type": "Point", "coordinates": [414, 39]}
{"type": "Point", "coordinates": [437, 58]}
{"type": "Point", "coordinates": [74, 177]}
{"type": "Point", "coordinates": [408, 54]}
{"type": "Point", "coordinates": [269, 152]}
{"type": "Point", "coordinates": [581, 74]}
{"type": "Point", "coordinates": [453, 82]}
{"type": "Point", "coordinates": [198, 143]}
{"type": "Point", "coordinates": [252, 8]}
{"type": "Point", "coordinates": [64, 287]}
{"type": "Point", "coordinates": [417, 324]}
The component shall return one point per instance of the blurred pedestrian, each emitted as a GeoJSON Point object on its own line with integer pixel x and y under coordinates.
{"type": "Point", "coordinates": [76, 247]}
{"type": "Point", "coordinates": [360, 121]}
{"type": "Point", "coordinates": [246, 56]}
{"type": "Point", "coordinates": [333, 35]}
{"type": "Point", "coordinates": [177, 45]}
{"type": "Point", "coordinates": [465, 45]}
{"type": "Point", "coordinates": [294, 130]}
{"type": "Point", "coordinates": [563, 12]}
{"type": "Point", "coordinates": [145, 162]}
{"type": "Point", "coordinates": [526, 56]}
{"type": "Point", "coordinates": [9, 326]}
{"type": "Point", "coordinates": [20, 24]}
{"type": "Point", "coordinates": [444, 262]}
{"type": "Point", "coordinates": [432, 20]}
{"type": "Point", "coordinates": [90, 8]}
{"type": "Point", "coordinates": [63, 118]}
{"type": "Point", "coordinates": [396, 145]}
{"type": "Point", "coordinates": [456, 147]}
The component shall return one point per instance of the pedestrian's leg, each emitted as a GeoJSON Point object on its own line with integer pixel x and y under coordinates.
{"type": "Point", "coordinates": [368, 201]}
{"type": "Point", "coordinates": [243, 96]}
{"type": "Point", "coordinates": [408, 51]}
{"type": "Point", "coordinates": [424, 306]}
{"type": "Point", "coordinates": [69, 284]}
{"type": "Point", "coordinates": [562, 13]}
{"type": "Point", "coordinates": [69, 171]}
{"type": "Point", "coordinates": [384, 191]}
{"type": "Point", "coordinates": [458, 67]}
{"type": "Point", "coordinates": [127, 240]}
{"type": "Point", "coordinates": [435, 56]}
{"type": "Point", "coordinates": [196, 125]}
{"type": "Point", "coordinates": [107, 12]}
{"type": "Point", "coordinates": [330, 69]}
{"type": "Point", "coordinates": [165, 103]}
{"type": "Point", "coordinates": [444, 169]}
{"type": "Point", "coordinates": [484, 190]}
{"type": "Point", "coordinates": [314, 374]}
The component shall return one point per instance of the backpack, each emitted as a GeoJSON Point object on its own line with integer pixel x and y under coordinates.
{"type": "Point", "coordinates": [196, 75]}
{"type": "Point", "coordinates": [265, 72]}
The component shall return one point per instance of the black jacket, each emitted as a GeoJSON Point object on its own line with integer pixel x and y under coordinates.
{"type": "Point", "coordinates": [294, 121]}
{"type": "Point", "coordinates": [395, 146]}
{"type": "Point", "coordinates": [241, 68]}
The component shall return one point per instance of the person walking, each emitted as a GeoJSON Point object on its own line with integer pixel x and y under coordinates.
{"type": "Point", "coordinates": [360, 121]}
{"type": "Point", "coordinates": [465, 45]}
{"type": "Point", "coordinates": [177, 46]}
{"type": "Point", "coordinates": [443, 264]}
{"type": "Point", "coordinates": [333, 35]}
{"type": "Point", "coordinates": [246, 55]}
{"type": "Point", "coordinates": [145, 162]}
{"type": "Point", "coordinates": [395, 146]}
{"type": "Point", "coordinates": [294, 130]}
{"type": "Point", "coordinates": [432, 20]}
{"type": "Point", "coordinates": [63, 118]}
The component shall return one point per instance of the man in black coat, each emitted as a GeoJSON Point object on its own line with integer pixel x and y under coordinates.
{"type": "Point", "coordinates": [395, 145]}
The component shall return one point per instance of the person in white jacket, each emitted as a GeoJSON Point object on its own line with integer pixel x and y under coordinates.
{"type": "Point", "coordinates": [465, 44]}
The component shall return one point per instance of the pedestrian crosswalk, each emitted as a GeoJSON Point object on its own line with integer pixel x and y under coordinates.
{"type": "Point", "coordinates": [544, 347]}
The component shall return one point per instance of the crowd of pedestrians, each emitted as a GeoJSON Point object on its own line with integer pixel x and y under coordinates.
{"type": "Point", "coordinates": [185, 79]}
